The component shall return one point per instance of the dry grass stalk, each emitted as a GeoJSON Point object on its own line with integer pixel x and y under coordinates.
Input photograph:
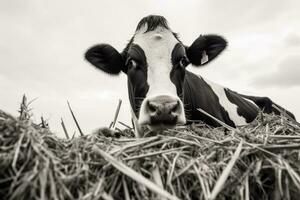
{"type": "Point", "coordinates": [44, 123]}
{"type": "Point", "coordinates": [192, 162]}
{"type": "Point", "coordinates": [25, 110]}
{"type": "Point", "coordinates": [134, 175]}
{"type": "Point", "coordinates": [75, 120]}
{"type": "Point", "coordinates": [285, 115]}
{"type": "Point", "coordinates": [64, 128]}
{"type": "Point", "coordinates": [125, 125]}
{"type": "Point", "coordinates": [112, 125]}
{"type": "Point", "coordinates": [222, 179]}
{"type": "Point", "coordinates": [217, 120]}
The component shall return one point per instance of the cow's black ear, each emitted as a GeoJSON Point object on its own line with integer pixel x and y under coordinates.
{"type": "Point", "coordinates": [106, 58]}
{"type": "Point", "coordinates": [205, 48]}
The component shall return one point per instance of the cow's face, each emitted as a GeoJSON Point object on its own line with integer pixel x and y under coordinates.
{"type": "Point", "coordinates": [155, 62]}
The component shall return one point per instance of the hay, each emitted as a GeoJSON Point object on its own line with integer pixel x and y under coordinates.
{"type": "Point", "coordinates": [257, 161]}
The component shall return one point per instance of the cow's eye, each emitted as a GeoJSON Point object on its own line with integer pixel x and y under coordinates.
{"type": "Point", "coordinates": [132, 63]}
{"type": "Point", "coordinates": [184, 62]}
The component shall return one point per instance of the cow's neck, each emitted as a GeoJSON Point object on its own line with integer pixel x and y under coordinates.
{"type": "Point", "coordinates": [199, 94]}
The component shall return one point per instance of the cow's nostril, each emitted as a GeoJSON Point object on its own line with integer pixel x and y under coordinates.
{"type": "Point", "coordinates": [152, 107]}
{"type": "Point", "coordinates": [174, 107]}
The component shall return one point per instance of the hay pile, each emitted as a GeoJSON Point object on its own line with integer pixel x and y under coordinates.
{"type": "Point", "coordinates": [258, 161]}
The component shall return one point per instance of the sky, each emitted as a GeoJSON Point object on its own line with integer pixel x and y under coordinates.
{"type": "Point", "coordinates": [43, 42]}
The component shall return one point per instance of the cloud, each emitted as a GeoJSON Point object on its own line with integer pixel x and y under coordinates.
{"type": "Point", "coordinates": [287, 74]}
{"type": "Point", "coordinates": [292, 40]}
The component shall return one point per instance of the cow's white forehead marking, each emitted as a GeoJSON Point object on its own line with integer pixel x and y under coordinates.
{"type": "Point", "coordinates": [157, 46]}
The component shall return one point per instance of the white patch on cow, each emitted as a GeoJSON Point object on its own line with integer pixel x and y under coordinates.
{"type": "Point", "coordinates": [157, 46]}
{"type": "Point", "coordinates": [252, 102]}
{"type": "Point", "coordinates": [226, 104]}
{"type": "Point", "coordinates": [158, 53]}
{"type": "Point", "coordinates": [204, 58]}
{"type": "Point", "coordinates": [137, 128]}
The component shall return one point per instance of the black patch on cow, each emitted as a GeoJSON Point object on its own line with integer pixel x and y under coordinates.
{"type": "Point", "coordinates": [266, 105]}
{"type": "Point", "coordinates": [105, 58]}
{"type": "Point", "coordinates": [137, 77]}
{"type": "Point", "coordinates": [213, 45]}
{"type": "Point", "coordinates": [136, 53]}
{"type": "Point", "coordinates": [178, 70]}
{"type": "Point", "coordinates": [177, 54]}
{"type": "Point", "coordinates": [198, 94]}
{"type": "Point", "coordinates": [244, 108]}
{"type": "Point", "coordinates": [283, 110]}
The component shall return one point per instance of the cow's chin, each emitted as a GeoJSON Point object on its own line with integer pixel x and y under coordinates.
{"type": "Point", "coordinates": [160, 127]}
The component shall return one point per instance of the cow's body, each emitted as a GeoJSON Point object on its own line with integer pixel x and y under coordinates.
{"type": "Point", "coordinates": [220, 102]}
{"type": "Point", "coordinates": [162, 92]}
{"type": "Point", "coordinates": [224, 104]}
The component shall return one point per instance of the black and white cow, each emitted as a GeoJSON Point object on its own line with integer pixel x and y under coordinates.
{"type": "Point", "coordinates": [162, 92]}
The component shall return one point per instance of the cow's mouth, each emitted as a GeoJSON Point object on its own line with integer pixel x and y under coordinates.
{"type": "Point", "coordinates": [159, 127]}
{"type": "Point", "coordinates": [161, 122]}
{"type": "Point", "coordinates": [156, 123]}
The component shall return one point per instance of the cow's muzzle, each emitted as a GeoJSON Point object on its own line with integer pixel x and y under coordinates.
{"type": "Point", "coordinates": [162, 112]}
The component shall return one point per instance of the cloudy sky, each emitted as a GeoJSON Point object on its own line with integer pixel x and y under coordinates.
{"type": "Point", "coordinates": [42, 45]}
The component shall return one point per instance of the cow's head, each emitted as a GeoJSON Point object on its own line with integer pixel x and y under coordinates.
{"type": "Point", "coordinates": [155, 61]}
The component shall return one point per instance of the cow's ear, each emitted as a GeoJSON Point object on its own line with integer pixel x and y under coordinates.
{"type": "Point", "coordinates": [106, 58]}
{"type": "Point", "coordinates": [205, 48]}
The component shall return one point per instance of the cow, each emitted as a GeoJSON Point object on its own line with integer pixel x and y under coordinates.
{"type": "Point", "coordinates": [163, 93]}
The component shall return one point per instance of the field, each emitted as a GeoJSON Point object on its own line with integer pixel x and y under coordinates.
{"type": "Point", "coordinates": [257, 161]}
